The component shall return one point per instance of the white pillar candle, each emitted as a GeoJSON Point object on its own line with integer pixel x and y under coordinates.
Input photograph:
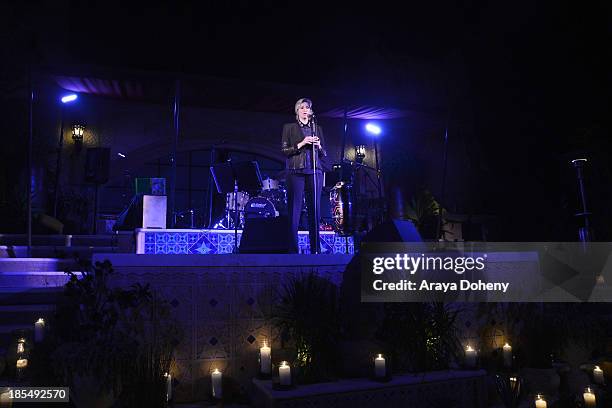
{"type": "Point", "coordinates": [540, 402]}
{"type": "Point", "coordinates": [265, 357]}
{"type": "Point", "coordinates": [217, 389]}
{"type": "Point", "coordinates": [589, 398]}
{"type": "Point", "coordinates": [39, 330]}
{"type": "Point", "coordinates": [598, 375]}
{"type": "Point", "coordinates": [284, 373]}
{"type": "Point", "coordinates": [380, 370]}
{"type": "Point", "coordinates": [470, 357]}
{"type": "Point", "coordinates": [507, 351]}
{"type": "Point", "coordinates": [168, 386]}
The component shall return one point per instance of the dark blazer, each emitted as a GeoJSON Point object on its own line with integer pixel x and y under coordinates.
{"type": "Point", "coordinates": [296, 158]}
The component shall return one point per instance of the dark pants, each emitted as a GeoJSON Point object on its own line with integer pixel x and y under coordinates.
{"type": "Point", "coordinates": [297, 185]}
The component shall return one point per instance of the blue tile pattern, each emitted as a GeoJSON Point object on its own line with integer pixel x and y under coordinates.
{"type": "Point", "coordinates": [207, 242]}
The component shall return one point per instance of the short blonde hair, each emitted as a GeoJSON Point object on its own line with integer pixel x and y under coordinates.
{"type": "Point", "coordinates": [299, 103]}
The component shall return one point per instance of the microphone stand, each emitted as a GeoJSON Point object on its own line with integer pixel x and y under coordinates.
{"type": "Point", "coordinates": [315, 247]}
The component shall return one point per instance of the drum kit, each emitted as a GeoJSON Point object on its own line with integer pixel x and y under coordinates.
{"type": "Point", "coordinates": [271, 201]}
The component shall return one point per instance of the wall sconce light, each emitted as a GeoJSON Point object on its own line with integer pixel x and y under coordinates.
{"type": "Point", "coordinates": [77, 133]}
{"type": "Point", "coordinates": [360, 153]}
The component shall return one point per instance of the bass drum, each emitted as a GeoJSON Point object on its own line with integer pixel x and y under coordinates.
{"type": "Point", "coordinates": [341, 203]}
{"type": "Point", "coordinates": [259, 207]}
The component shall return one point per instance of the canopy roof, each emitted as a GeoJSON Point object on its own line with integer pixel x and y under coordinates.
{"type": "Point", "coordinates": [233, 94]}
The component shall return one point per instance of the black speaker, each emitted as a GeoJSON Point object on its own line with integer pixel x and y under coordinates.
{"type": "Point", "coordinates": [393, 231]}
{"type": "Point", "coordinates": [97, 165]}
{"type": "Point", "coordinates": [266, 236]}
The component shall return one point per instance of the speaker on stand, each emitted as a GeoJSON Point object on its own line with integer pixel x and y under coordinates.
{"type": "Point", "coordinates": [97, 172]}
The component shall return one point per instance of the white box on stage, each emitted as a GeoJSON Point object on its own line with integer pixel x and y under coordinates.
{"type": "Point", "coordinates": [154, 209]}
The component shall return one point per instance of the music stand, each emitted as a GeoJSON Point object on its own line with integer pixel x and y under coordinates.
{"type": "Point", "coordinates": [232, 177]}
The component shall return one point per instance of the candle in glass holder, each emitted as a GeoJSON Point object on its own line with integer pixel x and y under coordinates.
{"type": "Point", "coordinates": [20, 346]}
{"type": "Point", "coordinates": [284, 373]}
{"type": "Point", "coordinates": [380, 369]}
{"type": "Point", "coordinates": [265, 359]}
{"type": "Point", "coordinates": [540, 402]}
{"type": "Point", "coordinates": [22, 364]}
{"type": "Point", "coordinates": [217, 378]}
{"type": "Point", "coordinates": [589, 398]}
{"type": "Point", "coordinates": [168, 386]}
{"type": "Point", "coordinates": [507, 351]}
{"type": "Point", "coordinates": [598, 375]}
{"type": "Point", "coordinates": [5, 398]}
{"type": "Point", "coordinates": [470, 357]}
{"type": "Point", "coordinates": [39, 330]}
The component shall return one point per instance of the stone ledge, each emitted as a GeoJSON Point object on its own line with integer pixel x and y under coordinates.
{"type": "Point", "coordinates": [223, 260]}
{"type": "Point", "coordinates": [467, 388]}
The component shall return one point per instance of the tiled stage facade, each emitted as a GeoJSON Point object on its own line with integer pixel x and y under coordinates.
{"type": "Point", "coordinates": [209, 241]}
{"type": "Point", "coordinates": [222, 302]}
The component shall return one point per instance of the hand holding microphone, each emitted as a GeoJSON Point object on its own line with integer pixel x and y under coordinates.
{"type": "Point", "coordinates": [310, 140]}
{"type": "Point", "coordinates": [315, 139]}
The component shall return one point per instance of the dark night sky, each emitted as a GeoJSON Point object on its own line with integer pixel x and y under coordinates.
{"type": "Point", "coordinates": [537, 74]}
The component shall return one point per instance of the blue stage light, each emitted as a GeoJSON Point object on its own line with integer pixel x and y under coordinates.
{"type": "Point", "coordinates": [373, 129]}
{"type": "Point", "coordinates": [69, 98]}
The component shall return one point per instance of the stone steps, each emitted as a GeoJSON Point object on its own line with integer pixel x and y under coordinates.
{"type": "Point", "coordinates": [54, 246]}
{"type": "Point", "coordinates": [29, 290]}
{"type": "Point", "coordinates": [83, 252]}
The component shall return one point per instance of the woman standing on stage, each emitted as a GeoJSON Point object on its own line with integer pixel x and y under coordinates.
{"type": "Point", "coordinates": [300, 140]}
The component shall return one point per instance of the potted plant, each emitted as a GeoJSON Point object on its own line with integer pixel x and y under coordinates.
{"type": "Point", "coordinates": [306, 315]}
{"type": "Point", "coordinates": [420, 336]}
{"type": "Point", "coordinates": [150, 326]}
{"type": "Point", "coordinates": [424, 212]}
{"type": "Point", "coordinates": [110, 343]}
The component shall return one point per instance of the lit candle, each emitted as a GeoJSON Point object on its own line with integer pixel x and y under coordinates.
{"type": "Point", "coordinates": [39, 330]}
{"type": "Point", "coordinates": [22, 364]}
{"type": "Point", "coordinates": [5, 398]}
{"type": "Point", "coordinates": [540, 402]}
{"type": "Point", "coordinates": [512, 382]}
{"type": "Point", "coordinates": [598, 375]}
{"type": "Point", "coordinates": [379, 367]}
{"type": "Point", "coordinates": [20, 346]}
{"type": "Point", "coordinates": [589, 398]}
{"type": "Point", "coordinates": [284, 373]}
{"type": "Point", "coordinates": [217, 377]}
{"type": "Point", "coordinates": [507, 350]}
{"type": "Point", "coordinates": [168, 386]}
{"type": "Point", "coordinates": [265, 359]}
{"type": "Point", "coordinates": [470, 357]}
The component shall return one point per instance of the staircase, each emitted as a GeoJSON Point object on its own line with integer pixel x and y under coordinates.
{"type": "Point", "coordinates": [28, 291]}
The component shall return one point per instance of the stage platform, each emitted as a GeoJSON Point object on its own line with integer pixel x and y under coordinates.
{"type": "Point", "coordinates": [210, 241]}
